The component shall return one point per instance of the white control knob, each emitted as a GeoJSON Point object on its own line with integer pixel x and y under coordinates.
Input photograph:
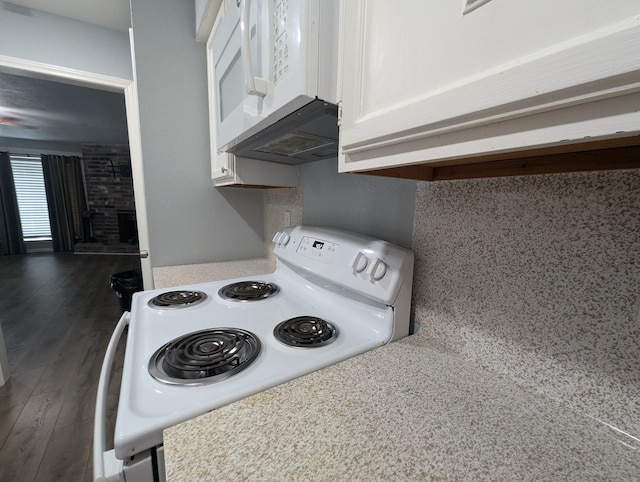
{"type": "Point", "coordinates": [276, 237]}
{"type": "Point", "coordinates": [284, 239]}
{"type": "Point", "coordinates": [378, 270]}
{"type": "Point", "coordinates": [359, 262]}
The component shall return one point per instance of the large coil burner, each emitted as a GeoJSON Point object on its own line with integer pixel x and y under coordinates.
{"type": "Point", "coordinates": [248, 291]}
{"type": "Point", "coordinates": [305, 331]}
{"type": "Point", "coordinates": [204, 357]}
{"type": "Point", "coordinates": [177, 299]}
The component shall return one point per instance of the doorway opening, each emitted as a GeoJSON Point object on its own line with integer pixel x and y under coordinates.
{"type": "Point", "coordinates": [112, 84]}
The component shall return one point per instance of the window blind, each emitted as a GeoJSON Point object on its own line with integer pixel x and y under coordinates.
{"type": "Point", "coordinates": [32, 199]}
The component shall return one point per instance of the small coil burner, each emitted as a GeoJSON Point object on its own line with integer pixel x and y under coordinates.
{"type": "Point", "coordinates": [204, 357]}
{"type": "Point", "coordinates": [248, 291]}
{"type": "Point", "coordinates": [177, 299]}
{"type": "Point", "coordinates": [305, 331]}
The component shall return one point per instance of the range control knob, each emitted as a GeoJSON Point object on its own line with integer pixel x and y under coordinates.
{"type": "Point", "coordinates": [359, 262]}
{"type": "Point", "coordinates": [378, 270]}
{"type": "Point", "coordinates": [281, 238]}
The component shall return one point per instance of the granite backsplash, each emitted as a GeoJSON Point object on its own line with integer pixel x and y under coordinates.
{"type": "Point", "coordinates": [538, 278]}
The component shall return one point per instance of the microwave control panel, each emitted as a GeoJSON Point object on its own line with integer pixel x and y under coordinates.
{"type": "Point", "coordinates": [281, 39]}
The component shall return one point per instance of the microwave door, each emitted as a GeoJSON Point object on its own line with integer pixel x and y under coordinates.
{"type": "Point", "coordinates": [241, 48]}
{"type": "Point", "coordinates": [228, 77]}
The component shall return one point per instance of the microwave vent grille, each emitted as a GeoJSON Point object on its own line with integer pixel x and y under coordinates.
{"type": "Point", "coordinates": [308, 134]}
{"type": "Point", "coordinates": [294, 144]}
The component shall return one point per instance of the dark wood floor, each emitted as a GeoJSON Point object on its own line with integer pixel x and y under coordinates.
{"type": "Point", "coordinates": [57, 313]}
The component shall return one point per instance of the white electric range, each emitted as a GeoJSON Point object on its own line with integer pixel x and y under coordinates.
{"type": "Point", "coordinates": [194, 348]}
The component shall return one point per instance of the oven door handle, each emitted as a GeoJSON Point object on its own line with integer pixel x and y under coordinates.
{"type": "Point", "coordinates": [100, 422]}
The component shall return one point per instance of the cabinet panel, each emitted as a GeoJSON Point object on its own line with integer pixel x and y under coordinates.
{"type": "Point", "coordinates": [206, 12]}
{"type": "Point", "coordinates": [244, 172]}
{"type": "Point", "coordinates": [426, 83]}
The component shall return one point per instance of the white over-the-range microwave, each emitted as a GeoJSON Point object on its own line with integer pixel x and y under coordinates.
{"type": "Point", "coordinates": [275, 73]}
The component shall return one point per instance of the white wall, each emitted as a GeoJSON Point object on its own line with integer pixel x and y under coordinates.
{"type": "Point", "coordinates": [40, 37]}
{"type": "Point", "coordinates": [189, 220]}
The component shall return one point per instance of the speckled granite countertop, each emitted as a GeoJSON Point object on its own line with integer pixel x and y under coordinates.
{"type": "Point", "coordinates": [169, 276]}
{"type": "Point", "coordinates": [370, 418]}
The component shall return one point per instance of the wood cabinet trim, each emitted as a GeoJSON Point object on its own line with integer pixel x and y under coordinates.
{"type": "Point", "coordinates": [541, 161]}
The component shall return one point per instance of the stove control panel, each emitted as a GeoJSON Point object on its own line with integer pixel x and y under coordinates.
{"type": "Point", "coordinates": [319, 249]}
{"type": "Point", "coordinates": [359, 262]}
{"type": "Point", "coordinates": [378, 270]}
{"type": "Point", "coordinates": [281, 239]}
{"type": "Point", "coordinates": [374, 267]}
{"type": "Point", "coordinates": [370, 266]}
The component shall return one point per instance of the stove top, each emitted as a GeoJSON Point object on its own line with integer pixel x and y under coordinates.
{"type": "Point", "coordinates": [177, 299]}
{"type": "Point", "coordinates": [305, 331]}
{"type": "Point", "coordinates": [204, 357]}
{"type": "Point", "coordinates": [244, 291]}
{"type": "Point", "coordinates": [317, 309]}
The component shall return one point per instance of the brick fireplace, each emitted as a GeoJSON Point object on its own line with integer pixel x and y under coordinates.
{"type": "Point", "coordinates": [109, 185]}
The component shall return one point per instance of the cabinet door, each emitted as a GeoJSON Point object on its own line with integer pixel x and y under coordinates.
{"type": "Point", "coordinates": [425, 82]}
{"type": "Point", "coordinates": [222, 166]}
{"type": "Point", "coordinates": [229, 170]}
{"type": "Point", "coordinates": [206, 12]}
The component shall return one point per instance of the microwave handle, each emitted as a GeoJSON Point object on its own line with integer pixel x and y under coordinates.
{"type": "Point", "coordinates": [255, 85]}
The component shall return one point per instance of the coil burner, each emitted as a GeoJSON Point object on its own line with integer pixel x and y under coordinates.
{"type": "Point", "coordinates": [305, 331]}
{"type": "Point", "coordinates": [177, 299]}
{"type": "Point", "coordinates": [204, 357]}
{"type": "Point", "coordinates": [248, 291]}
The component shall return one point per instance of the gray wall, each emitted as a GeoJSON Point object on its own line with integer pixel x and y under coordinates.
{"type": "Point", "coordinates": [376, 206]}
{"type": "Point", "coordinates": [189, 220]}
{"type": "Point", "coordinates": [40, 37]}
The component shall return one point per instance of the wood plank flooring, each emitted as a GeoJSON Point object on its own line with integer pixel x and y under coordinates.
{"type": "Point", "coordinates": [57, 313]}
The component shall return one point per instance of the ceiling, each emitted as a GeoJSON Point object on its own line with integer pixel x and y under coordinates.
{"type": "Point", "coordinates": [53, 112]}
{"type": "Point", "coordinates": [113, 14]}
{"type": "Point", "coordinates": [48, 113]}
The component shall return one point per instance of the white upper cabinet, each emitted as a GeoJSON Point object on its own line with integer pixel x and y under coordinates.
{"type": "Point", "coordinates": [206, 12]}
{"type": "Point", "coordinates": [423, 82]}
{"type": "Point", "coordinates": [229, 170]}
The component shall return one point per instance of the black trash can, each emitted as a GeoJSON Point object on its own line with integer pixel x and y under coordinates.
{"type": "Point", "coordinates": [125, 284]}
